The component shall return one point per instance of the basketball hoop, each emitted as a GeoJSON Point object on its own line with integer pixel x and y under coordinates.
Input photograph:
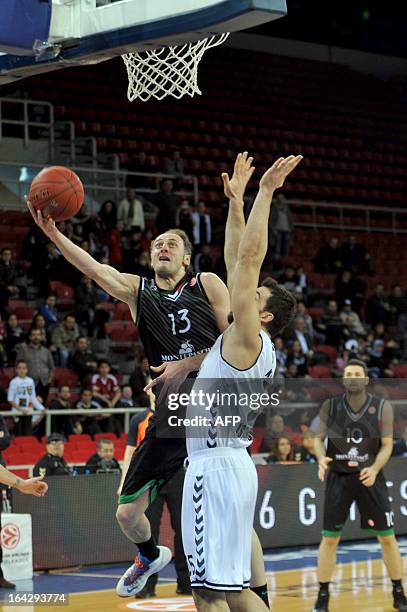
{"type": "Point", "coordinates": [170, 71]}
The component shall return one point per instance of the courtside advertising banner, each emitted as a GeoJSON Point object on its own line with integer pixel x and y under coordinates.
{"type": "Point", "coordinates": [16, 543]}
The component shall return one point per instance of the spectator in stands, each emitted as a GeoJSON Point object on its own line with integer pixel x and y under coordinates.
{"type": "Point", "coordinates": [106, 389]}
{"type": "Point", "coordinates": [184, 218]}
{"type": "Point", "coordinates": [329, 258]}
{"type": "Point", "coordinates": [126, 398]}
{"type": "Point", "coordinates": [39, 361]}
{"type": "Point", "coordinates": [347, 313]}
{"type": "Point", "coordinates": [289, 279]}
{"type": "Point", "coordinates": [142, 267]}
{"type": "Point", "coordinates": [83, 362]}
{"type": "Point", "coordinates": [108, 215]}
{"type": "Point", "coordinates": [400, 445]}
{"type": "Point", "coordinates": [306, 449]}
{"type": "Point", "coordinates": [174, 165]}
{"type": "Point", "coordinates": [114, 240]}
{"type": "Point", "coordinates": [378, 362]}
{"type": "Point", "coordinates": [8, 275]}
{"type": "Point", "coordinates": [203, 260]}
{"type": "Point", "coordinates": [331, 325]}
{"type": "Point", "coordinates": [53, 462]}
{"type": "Point", "coordinates": [131, 212]}
{"type": "Point", "coordinates": [93, 424]}
{"type": "Point", "coordinates": [22, 398]}
{"type": "Point", "coordinates": [139, 163]}
{"type": "Point", "coordinates": [398, 302]}
{"type": "Point", "coordinates": [283, 451]}
{"type": "Point", "coordinates": [355, 257]}
{"type": "Point", "coordinates": [349, 287]}
{"type": "Point", "coordinates": [63, 339]}
{"type": "Point", "coordinates": [132, 250]}
{"type": "Point", "coordinates": [301, 290]}
{"type": "Point", "coordinates": [348, 330]}
{"type": "Point", "coordinates": [274, 428]}
{"type": "Point", "coordinates": [86, 299]}
{"type": "Point", "coordinates": [281, 355]}
{"type": "Point", "coordinates": [65, 424]}
{"type": "Point", "coordinates": [378, 306]}
{"type": "Point", "coordinates": [297, 356]}
{"type": "Point", "coordinates": [316, 338]}
{"type": "Point", "coordinates": [138, 380]}
{"type": "Point", "coordinates": [104, 458]}
{"type": "Point", "coordinates": [14, 337]}
{"type": "Point", "coordinates": [202, 226]}
{"type": "Point", "coordinates": [38, 323]}
{"type": "Point", "coordinates": [50, 312]}
{"type": "Point", "coordinates": [166, 202]}
{"type": "Point", "coordinates": [3, 354]}
{"type": "Point", "coordinates": [281, 224]}
{"type": "Point", "coordinates": [301, 335]}
{"type": "Point", "coordinates": [147, 239]}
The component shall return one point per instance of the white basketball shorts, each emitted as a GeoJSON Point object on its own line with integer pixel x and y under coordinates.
{"type": "Point", "coordinates": [218, 505]}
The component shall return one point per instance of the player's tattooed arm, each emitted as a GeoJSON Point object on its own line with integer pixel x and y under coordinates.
{"type": "Point", "coordinates": [234, 190]}
{"type": "Point", "coordinates": [123, 287]}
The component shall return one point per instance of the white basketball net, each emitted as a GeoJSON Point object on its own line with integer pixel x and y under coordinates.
{"type": "Point", "coordinates": [171, 71]}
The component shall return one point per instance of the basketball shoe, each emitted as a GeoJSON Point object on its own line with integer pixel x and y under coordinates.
{"type": "Point", "coordinates": [399, 600]}
{"type": "Point", "coordinates": [134, 579]}
{"type": "Point", "coordinates": [322, 603]}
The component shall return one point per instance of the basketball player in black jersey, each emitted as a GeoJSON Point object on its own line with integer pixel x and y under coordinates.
{"type": "Point", "coordinates": [359, 430]}
{"type": "Point", "coordinates": [179, 316]}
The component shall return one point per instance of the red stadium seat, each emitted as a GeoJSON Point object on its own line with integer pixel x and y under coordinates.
{"type": "Point", "coordinates": [329, 351]}
{"type": "Point", "coordinates": [108, 436]}
{"type": "Point", "coordinates": [79, 456]}
{"type": "Point", "coordinates": [122, 312]}
{"type": "Point", "coordinates": [23, 459]}
{"type": "Point", "coordinates": [22, 441]}
{"type": "Point", "coordinates": [315, 313]}
{"type": "Point", "coordinates": [78, 438]}
{"type": "Point", "coordinates": [65, 376]}
{"type": "Point", "coordinates": [24, 314]}
{"type": "Point", "coordinates": [400, 371]}
{"type": "Point", "coordinates": [319, 372]}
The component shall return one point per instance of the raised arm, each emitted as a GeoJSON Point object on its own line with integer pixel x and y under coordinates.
{"type": "Point", "coordinates": [234, 190]}
{"type": "Point", "coordinates": [124, 287]}
{"type": "Point", "coordinates": [243, 335]}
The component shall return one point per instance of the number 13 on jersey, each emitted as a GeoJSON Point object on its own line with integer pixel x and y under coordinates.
{"type": "Point", "coordinates": [184, 323]}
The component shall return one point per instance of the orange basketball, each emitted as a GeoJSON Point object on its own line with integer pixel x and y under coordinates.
{"type": "Point", "coordinates": [58, 192]}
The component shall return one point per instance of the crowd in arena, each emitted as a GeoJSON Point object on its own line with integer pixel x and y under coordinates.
{"type": "Point", "coordinates": [328, 330]}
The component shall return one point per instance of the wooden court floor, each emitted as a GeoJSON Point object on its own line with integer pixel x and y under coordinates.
{"type": "Point", "coordinates": [359, 585]}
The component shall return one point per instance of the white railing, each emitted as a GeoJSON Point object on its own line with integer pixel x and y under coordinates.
{"type": "Point", "coordinates": [100, 184]}
{"type": "Point", "coordinates": [10, 121]}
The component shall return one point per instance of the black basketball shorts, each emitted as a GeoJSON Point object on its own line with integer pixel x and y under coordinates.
{"type": "Point", "coordinates": [376, 516]}
{"type": "Point", "coordinates": [153, 464]}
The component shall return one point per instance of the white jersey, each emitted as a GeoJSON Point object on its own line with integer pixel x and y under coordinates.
{"type": "Point", "coordinates": [21, 391]}
{"type": "Point", "coordinates": [203, 418]}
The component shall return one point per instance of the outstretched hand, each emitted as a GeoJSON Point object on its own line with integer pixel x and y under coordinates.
{"type": "Point", "coordinates": [275, 176]}
{"type": "Point", "coordinates": [235, 187]}
{"type": "Point", "coordinates": [46, 224]}
{"type": "Point", "coordinates": [33, 486]}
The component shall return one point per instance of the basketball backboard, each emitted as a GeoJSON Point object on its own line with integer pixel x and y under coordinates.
{"type": "Point", "coordinates": [43, 35]}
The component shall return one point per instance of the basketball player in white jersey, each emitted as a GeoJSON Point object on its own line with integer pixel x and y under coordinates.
{"type": "Point", "coordinates": [221, 481]}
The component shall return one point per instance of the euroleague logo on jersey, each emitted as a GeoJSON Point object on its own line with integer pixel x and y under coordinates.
{"type": "Point", "coordinates": [372, 410]}
{"type": "Point", "coordinates": [193, 282]}
{"type": "Point", "coordinates": [10, 536]}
